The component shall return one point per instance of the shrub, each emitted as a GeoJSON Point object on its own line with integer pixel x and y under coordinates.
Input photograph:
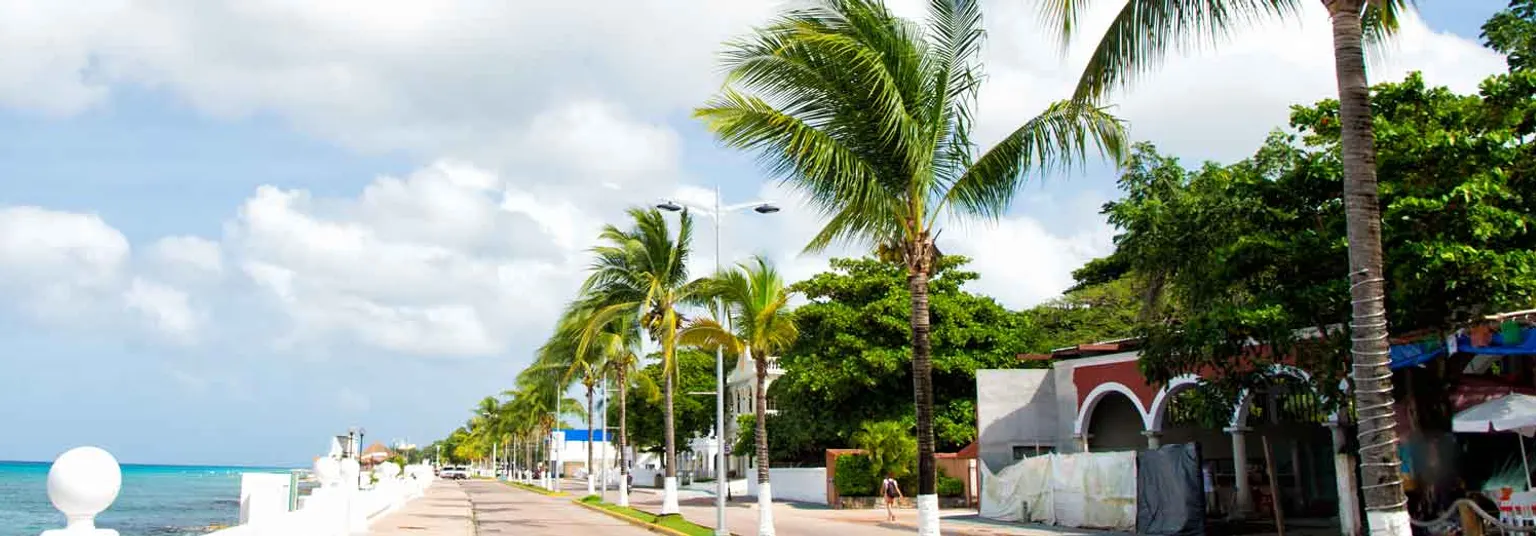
{"type": "Point", "coordinates": [855, 477]}
{"type": "Point", "coordinates": [891, 448]}
{"type": "Point", "coordinates": [950, 487]}
{"type": "Point", "coordinates": [592, 499]}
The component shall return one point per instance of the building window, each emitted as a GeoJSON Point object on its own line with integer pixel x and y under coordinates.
{"type": "Point", "coordinates": [1025, 451]}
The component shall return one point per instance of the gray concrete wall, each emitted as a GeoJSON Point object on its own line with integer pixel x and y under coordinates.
{"type": "Point", "coordinates": [1015, 407]}
{"type": "Point", "coordinates": [1066, 408]}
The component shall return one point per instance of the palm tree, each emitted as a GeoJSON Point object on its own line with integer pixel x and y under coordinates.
{"type": "Point", "coordinates": [870, 116]}
{"type": "Point", "coordinates": [1146, 30]}
{"type": "Point", "coordinates": [757, 304]}
{"type": "Point", "coordinates": [570, 350]}
{"type": "Point", "coordinates": [619, 341]}
{"type": "Point", "coordinates": [540, 384]}
{"type": "Point", "coordinates": [487, 426]}
{"type": "Point", "coordinates": [643, 271]}
{"type": "Point", "coordinates": [524, 413]}
{"type": "Point", "coordinates": [888, 446]}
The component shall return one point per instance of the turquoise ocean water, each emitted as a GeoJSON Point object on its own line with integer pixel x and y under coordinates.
{"type": "Point", "coordinates": [156, 500]}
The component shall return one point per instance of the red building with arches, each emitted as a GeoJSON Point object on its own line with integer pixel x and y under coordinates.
{"type": "Point", "coordinates": [1093, 398]}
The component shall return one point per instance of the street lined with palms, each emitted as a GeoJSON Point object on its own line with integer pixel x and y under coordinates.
{"type": "Point", "coordinates": [869, 116]}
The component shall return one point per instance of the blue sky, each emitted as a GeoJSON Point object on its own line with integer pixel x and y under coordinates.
{"type": "Point", "coordinates": [206, 255]}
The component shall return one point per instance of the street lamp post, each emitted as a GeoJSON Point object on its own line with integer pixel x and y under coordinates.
{"type": "Point", "coordinates": [358, 451]}
{"type": "Point", "coordinates": [554, 457]}
{"type": "Point", "coordinates": [716, 214]}
{"type": "Point", "coordinates": [494, 441]}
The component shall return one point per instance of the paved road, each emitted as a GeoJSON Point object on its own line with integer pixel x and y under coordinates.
{"type": "Point", "coordinates": [502, 509]}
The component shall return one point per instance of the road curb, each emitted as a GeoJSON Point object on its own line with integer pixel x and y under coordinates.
{"type": "Point", "coordinates": [534, 489]}
{"type": "Point", "coordinates": [638, 523]}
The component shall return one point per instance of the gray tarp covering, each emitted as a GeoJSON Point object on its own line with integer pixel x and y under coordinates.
{"type": "Point", "coordinates": [1170, 496]}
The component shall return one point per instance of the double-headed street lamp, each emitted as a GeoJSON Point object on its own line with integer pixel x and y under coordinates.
{"type": "Point", "coordinates": [716, 213]}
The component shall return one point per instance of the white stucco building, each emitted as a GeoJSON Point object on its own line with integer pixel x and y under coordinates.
{"type": "Point", "coordinates": [698, 454]}
{"type": "Point", "coordinates": [740, 389]}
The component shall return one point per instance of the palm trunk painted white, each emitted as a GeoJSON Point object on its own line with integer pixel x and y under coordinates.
{"type": "Point", "coordinates": [1391, 523]}
{"type": "Point", "coordinates": [623, 491]}
{"type": "Point", "coordinates": [591, 483]}
{"type": "Point", "coordinates": [765, 509]}
{"type": "Point", "coordinates": [669, 496]}
{"type": "Point", "coordinates": [1344, 465]}
{"type": "Point", "coordinates": [928, 515]}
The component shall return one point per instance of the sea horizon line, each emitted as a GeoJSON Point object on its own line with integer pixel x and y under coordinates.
{"type": "Point", "coordinates": [176, 465]}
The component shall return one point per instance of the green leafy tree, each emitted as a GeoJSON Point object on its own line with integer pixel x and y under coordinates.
{"type": "Point", "coordinates": [1512, 32]}
{"type": "Point", "coordinates": [1252, 250]}
{"type": "Point", "coordinates": [1100, 308]}
{"type": "Point", "coordinates": [693, 415]}
{"type": "Point", "coordinates": [870, 116]}
{"type": "Point", "coordinates": [852, 361]}
{"type": "Point", "coordinates": [1145, 31]}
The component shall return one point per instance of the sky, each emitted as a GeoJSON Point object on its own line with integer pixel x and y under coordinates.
{"type": "Point", "coordinates": [229, 231]}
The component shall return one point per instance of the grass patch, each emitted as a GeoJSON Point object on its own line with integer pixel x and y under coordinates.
{"type": "Point", "coordinates": [535, 489]}
{"type": "Point", "coordinates": [673, 521]}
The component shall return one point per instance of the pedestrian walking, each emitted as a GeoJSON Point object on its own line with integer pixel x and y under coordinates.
{"type": "Point", "coordinates": [891, 490]}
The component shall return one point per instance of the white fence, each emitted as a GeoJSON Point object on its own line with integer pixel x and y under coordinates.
{"type": "Point", "coordinates": [84, 481]}
{"type": "Point", "coordinates": [1095, 490]}
{"type": "Point", "coordinates": [799, 484]}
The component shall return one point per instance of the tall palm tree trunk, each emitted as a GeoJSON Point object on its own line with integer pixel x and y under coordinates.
{"type": "Point", "coordinates": [920, 264]}
{"type": "Point", "coordinates": [1381, 484]}
{"type": "Point", "coordinates": [591, 471]}
{"type": "Point", "coordinates": [760, 409]}
{"type": "Point", "coordinates": [669, 461]}
{"type": "Point", "coordinates": [623, 437]}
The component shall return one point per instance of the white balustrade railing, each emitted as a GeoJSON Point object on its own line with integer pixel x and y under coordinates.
{"type": "Point", "coordinates": [84, 482]}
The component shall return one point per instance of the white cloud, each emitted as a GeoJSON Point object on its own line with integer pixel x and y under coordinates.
{"type": "Point", "coordinates": [58, 264]}
{"type": "Point", "coordinates": [542, 121]}
{"type": "Point", "coordinates": [188, 255]}
{"type": "Point", "coordinates": [430, 264]}
{"type": "Point", "coordinates": [166, 310]}
{"type": "Point", "coordinates": [1215, 103]}
{"type": "Point", "coordinates": [461, 79]}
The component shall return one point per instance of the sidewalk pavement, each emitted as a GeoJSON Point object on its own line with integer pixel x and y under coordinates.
{"type": "Point", "coordinates": [791, 519]}
{"type": "Point", "coordinates": [445, 510]}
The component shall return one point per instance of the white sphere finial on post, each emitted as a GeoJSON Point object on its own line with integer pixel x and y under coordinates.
{"type": "Point", "coordinates": [82, 483]}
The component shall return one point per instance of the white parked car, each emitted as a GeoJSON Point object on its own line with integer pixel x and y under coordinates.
{"type": "Point", "coordinates": [454, 472]}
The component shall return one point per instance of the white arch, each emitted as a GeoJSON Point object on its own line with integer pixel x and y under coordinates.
{"type": "Point", "coordinates": [1157, 415]}
{"type": "Point", "coordinates": [1091, 401]}
{"type": "Point", "coordinates": [1240, 413]}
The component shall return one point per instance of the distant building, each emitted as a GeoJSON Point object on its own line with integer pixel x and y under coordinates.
{"type": "Point", "coordinates": [375, 454]}
{"type": "Point", "coordinates": [573, 450]}
{"type": "Point", "coordinates": [740, 400]}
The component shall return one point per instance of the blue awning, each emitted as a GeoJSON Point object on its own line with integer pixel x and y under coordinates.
{"type": "Point", "coordinates": [1408, 355]}
{"type": "Point", "coordinates": [581, 434]}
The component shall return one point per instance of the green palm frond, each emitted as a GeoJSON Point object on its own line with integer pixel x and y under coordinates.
{"type": "Point", "coordinates": [1053, 141]}
{"type": "Point", "coordinates": [869, 116]}
{"type": "Point", "coordinates": [1144, 32]}
{"type": "Point", "coordinates": [757, 302]}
